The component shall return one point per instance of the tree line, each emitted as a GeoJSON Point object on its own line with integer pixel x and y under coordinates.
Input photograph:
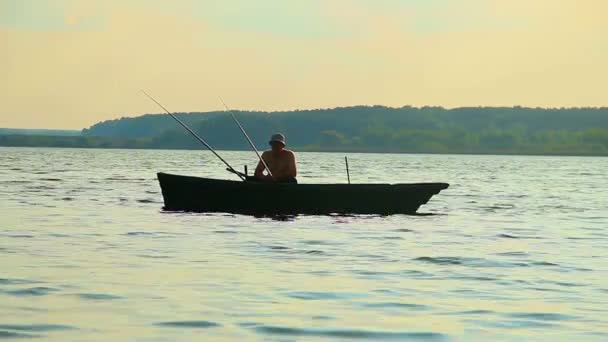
{"type": "Point", "coordinates": [500, 130]}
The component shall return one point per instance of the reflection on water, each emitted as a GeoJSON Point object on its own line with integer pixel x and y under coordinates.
{"type": "Point", "coordinates": [515, 249]}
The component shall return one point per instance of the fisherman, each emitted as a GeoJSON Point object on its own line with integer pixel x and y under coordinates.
{"type": "Point", "coordinates": [280, 161]}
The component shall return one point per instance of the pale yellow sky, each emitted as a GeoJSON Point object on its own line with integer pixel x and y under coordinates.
{"type": "Point", "coordinates": [71, 63]}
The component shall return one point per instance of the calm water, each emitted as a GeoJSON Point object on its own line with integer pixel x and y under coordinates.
{"type": "Point", "coordinates": [516, 250]}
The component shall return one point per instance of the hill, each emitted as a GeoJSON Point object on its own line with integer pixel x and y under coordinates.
{"type": "Point", "coordinates": [500, 130]}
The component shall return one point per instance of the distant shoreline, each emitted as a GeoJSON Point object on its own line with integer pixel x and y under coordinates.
{"type": "Point", "coordinates": [3, 143]}
{"type": "Point", "coordinates": [360, 129]}
{"type": "Point", "coordinates": [40, 131]}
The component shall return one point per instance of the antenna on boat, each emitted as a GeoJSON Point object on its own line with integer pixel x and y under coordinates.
{"type": "Point", "coordinates": [230, 168]}
{"type": "Point", "coordinates": [347, 171]}
{"type": "Point", "coordinates": [247, 137]}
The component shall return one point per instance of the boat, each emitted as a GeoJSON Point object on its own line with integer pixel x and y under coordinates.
{"type": "Point", "coordinates": [196, 194]}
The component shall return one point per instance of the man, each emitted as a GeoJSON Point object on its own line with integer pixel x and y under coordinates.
{"type": "Point", "coordinates": [282, 162]}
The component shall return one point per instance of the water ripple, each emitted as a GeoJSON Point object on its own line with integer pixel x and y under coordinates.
{"type": "Point", "coordinates": [138, 234]}
{"type": "Point", "coordinates": [351, 334]}
{"type": "Point", "coordinates": [15, 281]}
{"type": "Point", "coordinates": [98, 296]}
{"type": "Point", "coordinates": [543, 316]}
{"type": "Point", "coordinates": [511, 236]}
{"type": "Point", "coordinates": [33, 291]}
{"type": "Point", "coordinates": [51, 179]}
{"type": "Point", "coordinates": [306, 295]}
{"type": "Point", "coordinates": [482, 262]}
{"type": "Point", "coordinates": [14, 335]}
{"type": "Point", "coordinates": [441, 260]}
{"type": "Point", "coordinates": [36, 327]}
{"type": "Point", "coordinates": [396, 305]}
{"type": "Point", "coordinates": [470, 312]}
{"type": "Point", "coordinates": [189, 324]}
{"type": "Point", "coordinates": [515, 324]}
{"type": "Point", "coordinates": [288, 250]}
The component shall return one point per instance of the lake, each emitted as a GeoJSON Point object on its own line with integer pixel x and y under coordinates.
{"type": "Point", "coordinates": [515, 250]}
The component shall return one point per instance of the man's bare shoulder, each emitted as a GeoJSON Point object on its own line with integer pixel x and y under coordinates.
{"type": "Point", "coordinates": [289, 153]}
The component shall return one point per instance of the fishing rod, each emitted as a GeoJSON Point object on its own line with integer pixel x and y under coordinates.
{"type": "Point", "coordinates": [230, 168]}
{"type": "Point", "coordinates": [247, 137]}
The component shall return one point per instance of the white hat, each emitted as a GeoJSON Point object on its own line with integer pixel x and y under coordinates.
{"type": "Point", "coordinates": [277, 137]}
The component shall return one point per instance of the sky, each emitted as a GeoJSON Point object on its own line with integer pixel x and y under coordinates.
{"type": "Point", "coordinates": [67, 64]}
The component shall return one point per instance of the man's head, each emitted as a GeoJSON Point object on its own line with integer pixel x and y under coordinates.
{"type": "Point", "coordinates": [277, 142]}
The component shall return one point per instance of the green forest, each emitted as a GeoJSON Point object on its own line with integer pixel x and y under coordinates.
{"type": "Point", "coordinates": [475, 130]}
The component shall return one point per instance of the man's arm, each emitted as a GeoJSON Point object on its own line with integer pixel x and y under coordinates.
{"type": "Point", "coordinates": [292, 170]}
{"type": "Point", "coordinates": [259, 170]}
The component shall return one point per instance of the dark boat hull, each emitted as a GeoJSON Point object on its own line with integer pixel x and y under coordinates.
{"type": "Point", "coordinates": [184, 193]}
